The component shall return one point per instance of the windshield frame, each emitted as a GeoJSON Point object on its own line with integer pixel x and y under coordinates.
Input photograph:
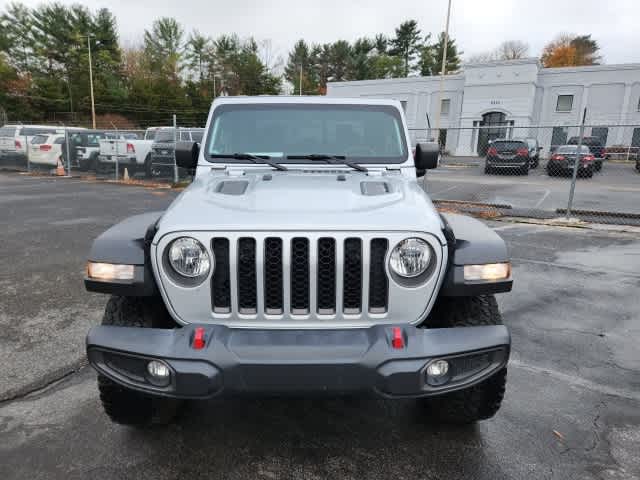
{"type": "Point", "coordinates": [362, 160]}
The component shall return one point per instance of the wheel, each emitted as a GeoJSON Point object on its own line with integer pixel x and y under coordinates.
{"type": "Point", "coordinates": [148, 171]}
{"type": "Point", "coordinates": [487, 169]}
{"type": "Point", "coordinates": [524, 170]}
{"type": "Point", "coordinates": [481, 401]}
{"type": "Point", "coordinates": [122, 405]}
{"type": "Point", "coordinates": [598, 165]}
{"type": "Point", "coordinates": [589, 172]}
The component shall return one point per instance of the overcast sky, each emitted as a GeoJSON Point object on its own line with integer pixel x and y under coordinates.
{"type": "Point", "coordinates": [477, 25]}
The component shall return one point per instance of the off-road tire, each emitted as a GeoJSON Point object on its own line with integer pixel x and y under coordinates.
{"type": "Point", "coordinates": [122, 405]}
{"type": "Point", "coordinates": [481, 401]}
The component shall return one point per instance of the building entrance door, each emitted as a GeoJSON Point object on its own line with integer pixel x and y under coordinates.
{"type": "Point", "coordinates": [494, 125]}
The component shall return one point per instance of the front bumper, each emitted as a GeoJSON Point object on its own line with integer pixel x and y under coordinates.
{"type": "Point", "coordinates": [297, 361]}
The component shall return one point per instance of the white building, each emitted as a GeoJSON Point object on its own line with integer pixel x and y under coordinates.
{"type": "Point", "coordinates": [512, 94]}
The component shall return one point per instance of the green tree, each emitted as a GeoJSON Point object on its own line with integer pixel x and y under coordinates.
{"type": "Point", "coordinates": [197, 53]}
{"type": "Point", "coordinates": [164, 47]}
{"type": "Point", "coordinates": [341, 55]}
{"type": "Point", "coordinates": [431, 57]}
{"type": "Point", "coordinates": [406, 44]}
{"type": "Point", "coordinates": [300, 63]}
{"type": "Point", "coordinates": [362, 54]}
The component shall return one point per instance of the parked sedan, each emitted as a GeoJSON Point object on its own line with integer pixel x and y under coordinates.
{"type": "Point", "coordinates": [596, 148]}
{"type": "Point", "coordinates": [564, 158]}
{"type": "Point", "coordinates": [46, 149]}
{"type": "Point", "coordinates": [509, 155]}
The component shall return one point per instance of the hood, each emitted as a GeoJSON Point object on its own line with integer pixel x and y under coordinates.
{"type": "Point", "coordinates": [302, 201]}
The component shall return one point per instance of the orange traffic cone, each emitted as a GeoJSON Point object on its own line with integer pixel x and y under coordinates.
{"type": "Point", "coordinates": [60, 169]}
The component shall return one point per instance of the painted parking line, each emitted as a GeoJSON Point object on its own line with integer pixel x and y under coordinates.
{"type": "Point", "coordinates": [544, 197]}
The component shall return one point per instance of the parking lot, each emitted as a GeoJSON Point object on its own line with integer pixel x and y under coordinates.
{"type": "Point", "coordinates": [572, 407]}
{"type": "Point", "coordinates": [614, 192]}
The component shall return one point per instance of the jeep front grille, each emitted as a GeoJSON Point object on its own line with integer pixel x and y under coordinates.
{"type": "Point", "coordinates": [299, 276]}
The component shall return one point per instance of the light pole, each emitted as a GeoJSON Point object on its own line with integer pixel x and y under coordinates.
{"type": "Point", "coordinates": [443, 71]}
{"type": "Point", "coordinates": [93, 107]}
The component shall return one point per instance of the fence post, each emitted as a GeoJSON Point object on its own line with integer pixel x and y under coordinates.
{"type": "Point", "coordinates": [26, 144]}
{"type": "Point", "coordinates": [576, 165]}
{"type": "Point", "coordinates": [175, 144]}
{"type": "Point", "coordinates": [68, 153]}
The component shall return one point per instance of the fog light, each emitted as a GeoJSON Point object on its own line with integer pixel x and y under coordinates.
{"type": "Point", "coordinates": [159, 373]}
{"type": "Point", "coordinates": [438, 373]}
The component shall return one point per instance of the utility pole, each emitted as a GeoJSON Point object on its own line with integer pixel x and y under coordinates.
{"type": "Point", "coordinates": [300, 79]}
{"type": "Point", "coordinates": [443, 71]}
{"type": "Point", "coordinates": [93, 107]}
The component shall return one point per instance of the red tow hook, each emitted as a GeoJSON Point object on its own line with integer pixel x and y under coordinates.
{"type": "Point", "coordinates": [397, 339]}
{"type": "Point", "coordinates": [198, 339]}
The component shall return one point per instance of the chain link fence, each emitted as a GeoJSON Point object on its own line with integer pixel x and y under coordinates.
{"type": "Point", "coordinates": [588, 171]}
{"type": "Point", "coordinates": [109, 154]}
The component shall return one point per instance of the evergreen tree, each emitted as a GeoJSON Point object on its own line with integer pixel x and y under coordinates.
{"type": "Point", "coordinates": [406, 44]}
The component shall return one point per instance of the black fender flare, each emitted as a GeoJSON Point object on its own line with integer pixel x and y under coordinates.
{"type": "Point", "coordinates": [126, 243]}
{"type": "Point", "coordinates": [471, 242]}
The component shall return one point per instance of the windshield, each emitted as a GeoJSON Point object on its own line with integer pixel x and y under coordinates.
{"type": "Point", "coordinates": [502, 145]}
{"type": "Point", "coordinates": [165, 135]}
{"type": "Point", "coordinates": [364, 133]}
{"type": "Point", "coordinates": [572, 149]}
{"type": "Point", "coordinates": [7, 131]}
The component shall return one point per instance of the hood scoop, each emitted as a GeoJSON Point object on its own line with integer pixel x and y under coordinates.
{"type": "Point", "coordinates": [232, 187]}
{"type": "Point", "coordinates": [371, 189]}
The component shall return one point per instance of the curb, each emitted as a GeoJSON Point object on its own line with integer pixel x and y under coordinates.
{"type": "Point", "coordinates": [475, 204]}
{"type": "Point", "coordinates": [598, 213]}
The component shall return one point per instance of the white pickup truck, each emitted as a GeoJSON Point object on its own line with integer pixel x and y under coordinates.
{"type": "Point", "coordinates": [132, 154]}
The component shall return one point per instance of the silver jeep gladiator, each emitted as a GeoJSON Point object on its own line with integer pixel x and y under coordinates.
{"type": "Point", "coordinates": [304, 259]}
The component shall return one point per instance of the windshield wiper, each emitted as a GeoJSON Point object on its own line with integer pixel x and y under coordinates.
{"type": "Point", "coordinates": [252, 158]}
{"type": "Point", "coordinates": [332, 159]}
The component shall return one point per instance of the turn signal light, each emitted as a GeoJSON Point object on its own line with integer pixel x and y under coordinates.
{"type": "Point", "coordinates": [488, 272]}
{"type": "Point", "coordinates": [109, 271]}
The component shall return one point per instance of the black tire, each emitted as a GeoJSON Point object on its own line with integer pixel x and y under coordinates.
{"type": "Point", "coordinates": [122, 405]}
{"type": "Point", "coordinates": [481, 401]}
{"type": "Point", "coordinates": [589, 172]}
{"type": "Point", "coordinates": [598, 165]}
{"type": "Point", "coordinates": [524, 170]}
{"type": "Point", "coordinates": [148, 172]}
{"type": "Point", "coordinates": [487, 169]}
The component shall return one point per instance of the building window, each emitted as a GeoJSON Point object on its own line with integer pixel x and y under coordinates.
{"type": "Point", "coordinates": [639, 104]}
{"type": "Point", "coordinates": [635, 139]}
{"type": "Point", "coordinates": [445, 106]}
{"type": "Point", "coordinates": [565, 103]}
{"type": "Point", "coordinates": [600, 132]}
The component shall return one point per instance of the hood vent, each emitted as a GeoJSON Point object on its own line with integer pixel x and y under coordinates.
{"type": "Point", "coordinates": [232, 187]}
{"type": "Point", "coordinates": [374, 188]}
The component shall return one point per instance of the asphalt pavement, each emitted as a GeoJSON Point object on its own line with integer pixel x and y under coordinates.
{"type": "Point", "coordinates": [613, 191]}
{"type": "Point", "coordinates": [571, 409]}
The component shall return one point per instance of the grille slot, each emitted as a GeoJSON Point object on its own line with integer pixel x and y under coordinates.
{"type": "Point", "coordinates": [220, 281]}
{"type": "Point", "coordinates": [300, 276]}
{"type": "Point", "coordinates": [378, 282]}
{"type": "Point", "coordinates": [247, 276]}
{"type": "Point", "coordinates": [273, 302]}
{"type": "Point", "coordinates": [352, 276]}
{"type": "Point", "coordinates": [326, 276]}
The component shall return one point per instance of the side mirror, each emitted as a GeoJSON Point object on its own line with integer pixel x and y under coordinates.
{"type": "Point", "coordinates": [427, 156]}
{"type": "Point", "coordinates": [187, 154]}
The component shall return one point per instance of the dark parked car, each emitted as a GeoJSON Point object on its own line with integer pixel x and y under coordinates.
{"type": "Point", "coordinates": [564, 158]}
{"type": "Point", "coordinates": [164, 145]}
{"type": "Point", "coordinates": [596, 148]}
{"type": "Point", "coordinates": [534, 151]}
{"type": "Point", "coordinates": [512, 155]}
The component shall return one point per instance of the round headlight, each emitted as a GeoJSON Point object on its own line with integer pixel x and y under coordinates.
{"type": "Point", "coordinates": [410, 258]}
{"type": "Point", "coordinates": [188, 257]}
